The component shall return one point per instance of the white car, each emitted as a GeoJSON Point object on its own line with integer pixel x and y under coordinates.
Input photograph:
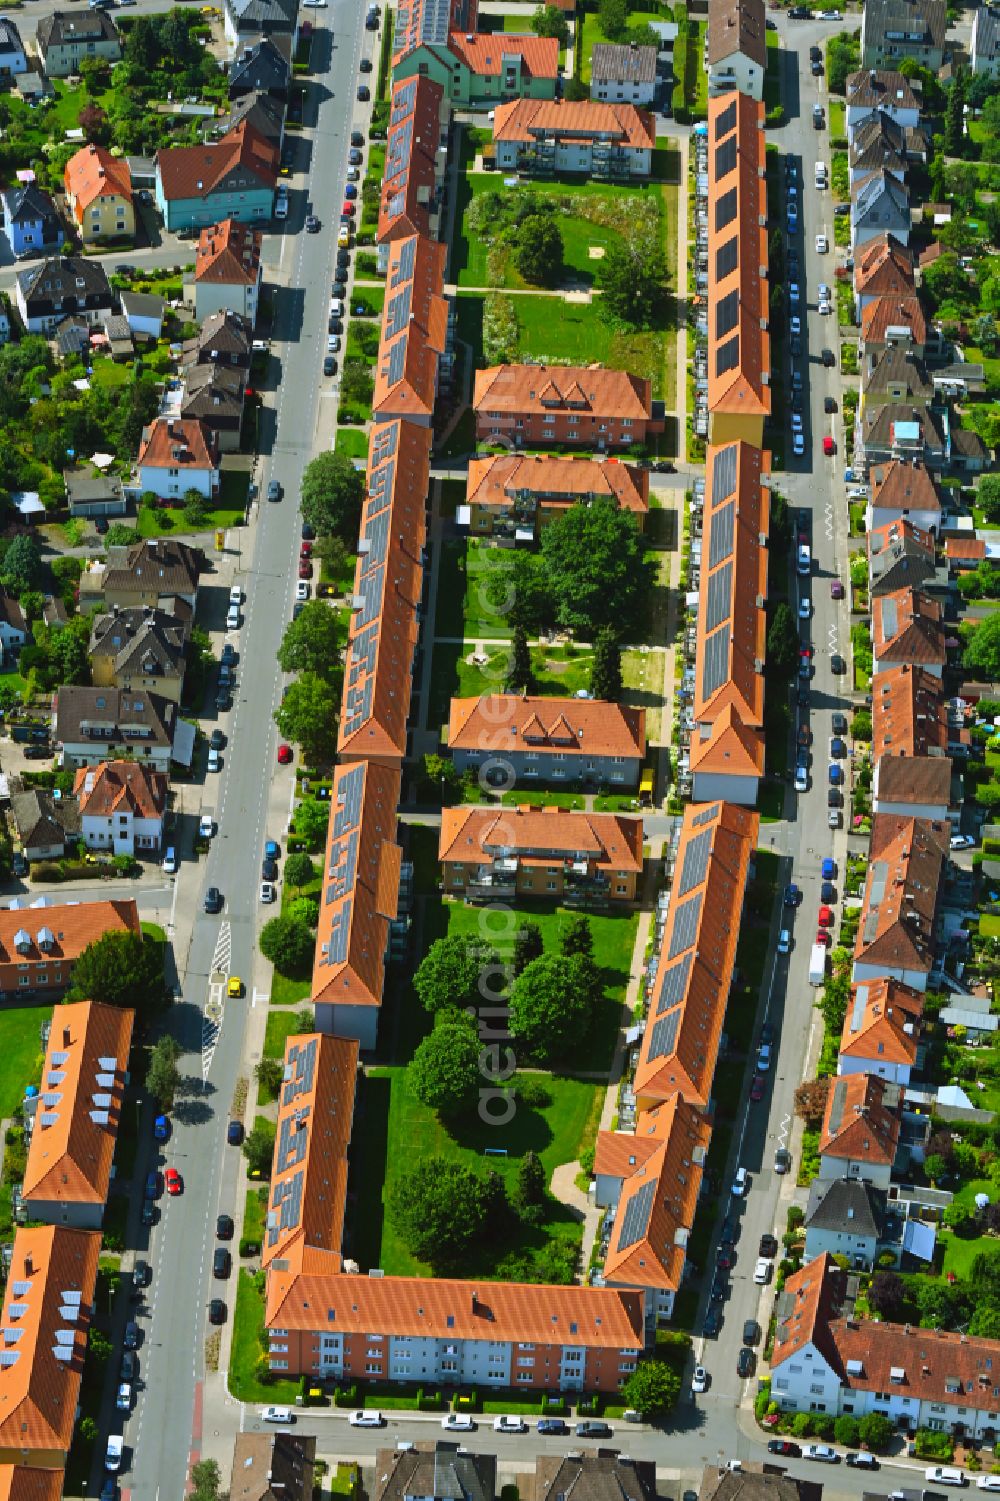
{"type": "Point", "coordinates": [333, 344]}
{"type": "Point", "coordinates": [793, 292]}
{"type": "Point", "coordinates": [825, 307]}
{"type": "Point", "coordinates": [962, 842]}
{"type": "Point", "coordinates": [302, 589]}
{"type": "Point", "coordinates": [833, 819]}
{"type": "Point", "coordinates": [762, 1271]}
{"type": "Point", "coordinates": [235, 595]}
{"type": "Point", "coordinates": [113, 1453]}
{"type": "Point", "coordinates": [206, 827]}
{"type": "Point", "coordinates": [764, 1058]}
{"type": "Point", "coordinates": [458, 1422]}
{"type": "Point", "coordinates": [823, 292]}
{"type": "Point", "coordinates": [353, 174]}
{"type": "Point", "coordinates": [370, 1419]}
{"type": "Point", "coordinates": [507, 1424]}
{"type": "Point", "coordinates": [801, 785]}
{"type": "Point", "coordinates": [785, 936]}
{"type": "Point", "coordinates": [796, 421]}
{"type": "Point", "coordinates": [822, 244]}
{"type": "Point", "coordinates": [944, 1475]}
{"type": "Point", "coordinates": [281, 208]}
{"type": "Point", "coordinates": [822, 1452]}
{"type": "Point", "coordinates": [123, 1401]}
{"type": "Point", "coordinates": [798, 445]}
{"type": "Point", "coordinates": [988, 1482]}
{"type": "Point", "coordinates": [699, 1381]}
{"type": "Point", "coordinates": [267, 892]}
{"type": "Point", "coordinates": [805, 609]}
{"type": "Point", "coordinates": [794, 324]}
{"type": "Point", "coordinates": [277, 1415]}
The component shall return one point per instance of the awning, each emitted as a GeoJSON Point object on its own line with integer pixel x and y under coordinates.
{"type": "Point", "coordinates": [183, 747]}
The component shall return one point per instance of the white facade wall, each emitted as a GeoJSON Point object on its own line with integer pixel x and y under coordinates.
{"type": "Point", "coordinates": [736, 71]}
{"type": "Point", "coordinates": [893, 1073]}
{"type": "Point", "coordinates": [834, 1168]}
{"type": "Point", "coordinates": [876, 516]}
{"type": "Point", "coordinates": [172, 484]}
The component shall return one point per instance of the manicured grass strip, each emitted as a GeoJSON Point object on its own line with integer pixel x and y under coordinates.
{"type": "Point", "coordinates": [247, 1349]}
{"type": "Point", "coordinates": [22, 1052]}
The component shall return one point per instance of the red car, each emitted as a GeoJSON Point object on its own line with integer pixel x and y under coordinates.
{"type": "Point", "coordinates": [825, 917]}
{"type": "Point", "coordinates": [305, 551]}
{"type": "Point", "coordinates": [173, 1180]}
{"type": "Point", "coordinates": [757, 1088]}
{"type": "Point", "coordinates": [806, 652]}
{"type": "Point", "coordinates": [829, 447]}
{"type": "Point", "coordinates": [348, 207]}
{"type": "Point", "coordinates": [284, 755]}
{"type": "Point", "coordinates": [305, 569]}
{"type": "Point", "coordinates": [823, 937]}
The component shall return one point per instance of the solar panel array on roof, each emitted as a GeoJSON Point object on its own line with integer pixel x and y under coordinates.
{"type": "Point", "coordinates": [333, 950]}
{"type": "Point", "coordinates": [663, 1039]}
{"type": "Point", "coordinates": [302, 1066]}
{"type": "Point", "coordinates": [727, 258]}
{"type": "Point", "coordinates": [674, 985]}
{"type": "Point", "coordinates": [403, 96]}
{"type": "Point", "coordinates": [685, 929]}
{"type": "Point", "coordinates": [725, 158]}
{"type": "Point", "coordinates": [695, 864]}
{"type": "Point", "coordinates": [890, 618]}
{"type": "Point", "coordinates": [399, 149]}
{"type": "Point", "coordinates": [727, 313]}
{"type": "Point", "coordinates": [725, 209]}
{"type": "Point", "coordinates": [407, 259]}
{"type": "Point", "coordinates": [725, 121]}
{"type": "Point", "coordinates": [707, 815]}
{"type": "Point", "coordinates": [718, 604]}
{"type": "Point", "coordinates": [398, 312]}
{"type": "Point", "coordinates": [723, 526]}
{"type": "Point", "coordinates": [396, 368]}
{"type": "Point", "coordinates": [727, 356]}
{"type": "Point", "coordinates": [716, 664]}
{"type": "Point", "coordinates": [286, 1208]}
{"type": "Point", "coordinates": [293, 1139]}
{"type": "Point", "coordinates": [724, 474]}
{"type": "Point", "coordinates": [360, 688]}
{"type": "Point", "coordinates": [635, 1221]}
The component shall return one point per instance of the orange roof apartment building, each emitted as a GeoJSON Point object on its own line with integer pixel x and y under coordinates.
{"type": "Point", "coordinates": [509, 739]}
{"type": "Point", "coordinates": [739, 346]}
{"type": "Point", "coordinates": [515, 495]}
{"type": "Point", "coordinates": [416, 156]}
{"type": "Point", "coordinates": [75, 1117]}
{"type": "Point", "coordinates": [585, 137]}
{"type": "Point", "coordinates": [99, 194]}
{"type": "Point", "coordinates": [358, 901]}
{"type": "Point", "coordinates": [345, 1326]}
{"type": "Point", "coordinates": [383, 631]}
{"type": "Point", "coordinates": [896, 932]}
{"type": "Point", "coordinates": [40, 945]}
{"type": "Point", "coordinates": [881, 1033]}
{"type": "Point", "coordinates": [550, 854]}
{"type": "Point", "coordinates": [883, 267]}
{"type": "Point", "coordinates": [536, 406]}
{"type": "Point", "coordinates": [25, 1483]}
{"type": "Point", "coordinates": [680, 1046]}
{"type": "Point", "coordinates": [416, 333]}
{"type": "Point", "coordinates": [859, 1136]}
{"type": "Point", "coordinates": [47, 1308]}
{"type": "Point", "coordinates": [726, 754]}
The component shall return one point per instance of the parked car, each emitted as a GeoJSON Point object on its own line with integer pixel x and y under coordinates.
{"type": "Point", "coordinates": [224, 1227]}
{"type": "Point", "coordinates": [822, 1453]}
{"type": "Point", "coordinates": [751, 1331]}
{"type": "Point", "coordinates": [699, 1380]}
{"type": "Point", "coordinates": [278, 1415]}
{"type": "Point", "coordinates": [863, 1461]}
{"type": "Point", "coordinates": [782, 1160]}
{"type": "Point", "coordinates": [593, 1429]}
{"type": "Point", "coordinates": [746, 1362]}
{"type": "Point", "coordinates": [507, 1424]}
{"type": "Point", "coordinates": [768, 1245]}
{"type": "Point", "coordinates": [458, 1422]}
{"type": "Point", "coordinates": [783, 1446]}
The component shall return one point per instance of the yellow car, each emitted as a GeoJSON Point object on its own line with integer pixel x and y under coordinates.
{"type": "Point", "coordinates": [343, 237]}
{"type": "Point", "coordinates": [235, 987]}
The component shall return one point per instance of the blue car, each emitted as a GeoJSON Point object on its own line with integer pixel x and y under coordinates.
{"type": "Point", "coordinates": [154, 1185]}
{"type": "Point", "coordinates": [552, 1425]}
{"type": "Point", "coordinates": [161, 1128]}
{"type": "Point", "coordinates": [828, 892]}
{"type": "Point", "coordinates": [272, 850]}
{"type": "Point", "coordinates": [829, 870]}
{"type": "Point", "coordinates": [836, 775]}
{"type": "Point", "coordinates": [793, 896]}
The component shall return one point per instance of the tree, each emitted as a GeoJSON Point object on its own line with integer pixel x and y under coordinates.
{"type": "Point", "coordinates": [307, 716]}
{"type": "Point", "coordinates": [548, 20]}
{"type": "Point", "coordinates": [68, 655]}
{"type": "Point", "coordinates": [163, 1076]}
{"type": "Point", "coordinates": [782, 642]}
{"type": "Point", "coordinates": [549, 1009]}
{"type": "Point", "coordinates": [810, 1102]}
{"type": "Point", "coordinates": [529, 1189]}
{"type": "Point", "coordinates": [312, 642]}
{"type": "Point", "coordinates": [519, 674]}
{"type": "Point", "coordinates": [576, 90]}
{"type": "Point", "coordinates": [606, 674]}
{"type": "Point", "coordinates": [875, 1431]}
{"type": "Point", "coordinates": [597, 569]}
{"type": "Point", "coordinates": [289, 944]}
{"type": "Point", "coordinates": [204, 1481]}
{"type": "Point", "coordinates": [612, 17]}
{"type": "Point", "coordinates": [312, 819]}
{"type": "Point", "coordinates": [577, 937]}
{"type": "Point", "coordinates": [982, 652]}
{"type": "Point", "coordinates": [988, 496]}
{"type": "Point", "coordinates": [94, 123]}
{"type": "Point", "coordinates": [935, 1167]}
{"type": "Point", "coordinates": [299, 870]}
{"type": "Point", "coordinates": [954, 118]}
{"type": "Point", "coordinates": [444, 775]}
{"type": "Point", "coordinates": [258, 1147]}
{"type": "Point", "coordinates": [269, 1073]}
{"type": "Point", "coordinates": [444, 1071]}
{"type": "Point", "coordinates": [843, 56]}
{"type": "Point", "coordinates": [120, 969]}
{"type": "Point", "coordinates": [22, 566]}
{"type": "Point", "coordinates": [528, 945]}
{"type": "Point", "coordinates": [332, 495]}
{"type": "Point", "coordinates": [985, 1321]}
{"type": "Point", "coordinates": [845, 1431]}
{"type": "Point", "coordinates": [632, 276]}
{"type": "Point", "coordinates": [653, 1386]}
{"type": "Point", "coordinates": [439, 1209]}
{"type": "Point", "coordinates": [886, 1294]}
{"type": "Point", "coordinates": [539, 253]}
{"type": "Point", "coordinates": [457, 971]}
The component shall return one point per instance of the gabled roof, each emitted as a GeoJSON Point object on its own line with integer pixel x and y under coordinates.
{"type": "Point", "coordinates": [916, 781]}
{"type": "Point", "coordinates": [846, 1204]}
{"type": "Point", "coordinates": [423, 23]}
{"type": "Point", "coordinates": [880, 424]}
{"type": "Point", "coordinates": [10, 37]}
{"type": "Point", "coordinates": [307, 1194]}
{"type": "Point", "coordinates": [26, 203]}
{"type": "Point", "coordinates": [803, 1310]}
{"type": "Point", "coordinates": [67, 276]}
{"type": "Point", "coordinates": [11, 612]}
{"type": "Point", "coordinates": [570, 726]}
{"type": "Point", "coordinates": [30, 1483]}
{"type": "Point", "coordinates": [262, 113]}
{"type": "Point", "coordinates": [64, 26]}
{"type": "Point", "coordinates": [272, 1467]}
{"type": "Point", "coordinates": [878, 132]}
{"type": "Point", "coordinates": [877, 195]}
{"type": "Point", "coordinates": [737, 26]}
{"type": "Point", "coordinates": [228, 254]}
{"type": "Point", "coordinates": [594, 1477]}
{"type": "Point", "coordinates": [42, 819]}
{"type": "Point", "coordinates": [62, 932]}
{"type": "Point", "coordinates": [172, 566]}
{"type": "Point", "coordinates": [900, 555]}
{"type": "Point", "coordinates": [612, 62]}
{"type": "Point", "coordinates": [497, 479]}
{"type": "Point", "coordinates": [144, 718]}
{"type": "Point", "coordinates": [733, 748]}
{"type": "Point", "coordinates": [534, 389]}
{"type": "Point", "coordinates": [882, 1023]}
{"type": "Point", "coordinates": [883, 266]}
{"type": "Point", "coordinates": [94, 173]}
{"type": "Point", "coordinates": [896, 373]}
{"type": "Point", "coordinates": [892, 312]}
{"type": "Point", "coordinates": [486, 54]}
{"type": "Point", "coordinates": [223, 333]}
{"type": "Point", "coordinates": [435, 1471]}
{"type": "Point", "coordinates": [924, 1365]}
{"type": "Point", "coordinates": [608, 840]}
{"type": "Point", "coordinates": [899, 485]}
{"type": "Point", "coordinates": [923, 20]}
{"type": "Point", "coordinates": [880, 88]}
{"type": "Point", "coordinates": [143, 638]}
{"type": "Point", "coordinates": [904, 872]}
{"type": "Point", "coordinates": [411, 158]}
{"type": "Point", "coordinates": [79, 1106]}
{"type": "Point", "coordinates": [697, 952]}
{"type": "Point", "coordinates": [739, 346]}
{"type": "Point", "coordinates": [46, 1315]}
{"type": "Point", "coordinates": [360, 891]}
{"type": "Point", "coordinates": [241, 161]}
{"type": "Point", "coordinates": [908, 627]}
{"type": "Point", "coordinates": [732, 622]}
{"type": "Point", "coordinates": [115, 787]}
{"type": "Point", "coordinates": [526, 120]}
{"type": "Point", "coordinates": [213, 395]}
{"type": "Point", "coordinates": [414, 329]}
{"type": "Point", "coordinates": [259, 67]}
{"type": "Point", "coordinates": [177, 443]}
{"type": "Point", "coordinates": [861, 1122]}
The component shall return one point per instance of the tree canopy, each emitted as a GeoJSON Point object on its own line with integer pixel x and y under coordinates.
{"type": "Point", "coordinates": [332, 495]}
{"type": "Point", "coordinates": [459, 970]}
{"type": "Point", "coordinates": [444, 1071]}
{"type": "Point", "coordinates": [289, 944]}
{"type": "Point", "coordinates": [440, 1210]}
{"type": "Point", "coordinates": [163, 1075]}
{"type": "Point", "coordinates": [606, 674]}
{"type": "Point", "coordinates": [782, 641]}
{"type": "Point", "coordinates": [548, 20]}
{"type": "Point", "coordinates": [653, 1386]}
{"type": "Point", "coordinates": [843, 56]}
{"type": "Point", "coordinates": [550, 1005]}
{"type": "Point", "coordinates": [539, 253]}
{"type": "Point", "coordinates": [597, 568]}
{"type": "Point", "coordinates": [120, 969]}
{"type": "Point", "coordinates": [982, 652]}
{"type": "Point", "coordinates": [307, 716]}
{"type": "Point", "coordinates": [312, 642]}
{"type": "Point", "coordinates": [632, 276]}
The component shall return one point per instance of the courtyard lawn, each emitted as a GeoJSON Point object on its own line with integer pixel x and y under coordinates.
{"type": "Point", "coordinates": [557, 1132]}
{"type": "Point", "coordinates": [960, 1253]}
{"type": "Point", "coordinates": [592, 33]}
{"type": "Point", "coordinates": [280, 1026]}
{"type": "Point", "coordinates": [352, 441]}
{"type": "Point", "coordinates": [22, 1051]}
{"type": "Point", "coordinates": [229, 512]}
{"type": "Point", "coordinates": [557, 673]}
{"type": "Point", "coordinates": [642, 677]}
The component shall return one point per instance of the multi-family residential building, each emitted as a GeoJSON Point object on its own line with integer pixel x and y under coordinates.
{"type": "Point", "coordinates": [13, 625]}
{"type": "Point", "coordinates": [23, 1482]}
{"type": "Point", "coordinates": [260, 68]}
{"type": "Point", "coordinates": [895, 374]}
{"type": "Point", "coordinates": [921, 787]}
{"type": "Point", "coordinates": [416, 155]}
{"type": "Point", "coordinates": [845, 1217]}
{"type": "Point", "coordinates": [92, 724]}
{"type": "Point", "coordinates": [549, 854]}
{"type": "Point", "coordinates": [154, 572]}
{"type": "Point", "coordinates": [261, 112]}
{"type": "Point", "coordinates": [435, 1472]}
{"type": "Point", "coordinates": [13, 58]}
{"type": "Point", "coordinates": [736, 52]}
{"type": "Point", "coordinates": [649, 1184]}
{"type": "Point", "coordinates": [415, 334]}
{"type": "Point", "coordinates": [99, 193]}
{"type": "Point", "coordinates": [880, 204]}
{"type": "Point", "coordinates": [245, 21]}
{"type": "Point", "coordinates": [47, 1310]}
{"type": "Point", "coordinates": [892, 30]}
{"type": "Point", "coordinates": [70, 286]}
{"type": "Point", "coordinates": [900, 556]}
{"type": "Point", "coordinates": [178, 454]}
{"type": "Point", "coordinates": [881, 1033]}
{"type": "Point", "coordinates": [73, 1120]}
{"type": "Point", "coordinates": [213, 396]}
{"type": "Point", "coordinates": [515, 495]}
{"type": "Point", "coordinates": [227, 273]}
{"type": "Point", "coordinates": [680, 1045]}
{"type": "Point", "coordinates": [31, 220]}
{"type": "Point", "coordinates": [40, 945]}
{"type": "Point", "coordinates": [233, 178]}
{"type": "Point", "coordinates": [896, 933]}
{"type": "Point", "coordinates": [893, 321]}
{"type": "Point", "coordinates": [358, 901]}
{"type": "Point", "coordinates": [623, 73]}
{"type": "Point", "coordinates": [542, 405]}
{"type": "Point", "coordinates": [505, 738]}
{"type": "Point", "coordinates": [67, 38]}
{"type": "Point", "coordinates": [739, 346]}
{"type": "Point", "coordinates": [875, 90]}
{"type": "Point", "coordinates": [477, 70]}
{"type": "Point", "coordinates": [601, 1476]}
{"type": "Point", "coordinates": [859, 1137]}
{"type": "Point", "coordinates": [908, 630]}
{"type": "Point", "coordinates": [542, 137]}
{"type": "Point", "coordinates": [903, 490]}
{"type": "Point", "coordinates": [225, 339]}
{"type": "Point", "coordinates": [122, 804]}
{"type": "Point", "coordinates": [883, 267]}
{"type": "Point", "coordinates": [985, 48]}
{"type": "Point", "coordinates": [272, 1467]}
{"type": "Point", "coordinates": [726, 752]}
{"type": "Point", "coordinates": [877, 143]}
{"type": "Point", "coordinates": [141, 648]}
{"type": "Point", "coordinates": [911, 434]}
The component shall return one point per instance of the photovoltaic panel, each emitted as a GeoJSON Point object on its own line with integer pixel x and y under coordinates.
{"type": "Point", "coordinates": [707, 815]}
{"type": "Point", "coordinates": [716, 662]}
{"type": "Point", "coordinates": [293, 1139]}
{"type": "Point", "coordinates": [724, 474]}
{"type": "Point", "coordinates": [397, 360]}
{"type": "Point", "coordinates": [686, 920]}
{"type": "Point", "coordinates": [663, 1040]}
{"type": "Point", "coordinates": [727, 258]}
{"type": "Point", "coordinates": [403, 269]}
{"type": "Point", "coordinates": [725, 209]}
{"type": "Point", "coordinates": [347, 815]}
{"type": "Point", "coordinates": [399, 311]}
{"type": "Point", "coordinates": [695, 861]}
{"type": "Point", "coordinates": [675, 983]}
{"type": "Point", "coordinates": [727, 356]}
{"type": "Point", "coordinates": [302, 1071]}
{"type": "Point", "coordinates": [727, 313]}
{"type": "Point", "coordinates": [725, 121]}
{"type": "Point", "coordinates": [720, 542]}
{"type": "Point", "coordinates": [725, 158]}
{"type": "Point", "coordinates": [635, 1221]}
{"type": "Point", "coordinates": [718, 603]}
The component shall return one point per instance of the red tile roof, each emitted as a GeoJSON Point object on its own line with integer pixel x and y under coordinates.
{"type": "Point", "coordinates": [882, 1024]}
{"type": "Point", "coordinates": [608, 841]}
{"type": "Point", "coordinates": [933, 1365]}
{"type": "Point", "coordinates": [572, 726]}
{"type": "Point", "coordinates": [177, 443]}
{"type": "Point", "coordinates": [903, 487]}
{"type": "Point", "coordinates": [886, 314]}
{"type": "Point", "coordinates": [556, 482]}
{"type": "Point", "coordinates": [241, 161]}
{"type": "Point", "coordinates": [737, 26]}
{"type": "Point", "coordinates": [907, 626]}
{"type": "Point", "coordinates": [94, 173]}
{"type": "Point", "coordinates": [119, 786]}
{"type": "Point", "coordinates": [417, 19]}
{"type": "Point", "coordinates": [730, 748]}
{"type": "Point", "coordinates": [965, 548]}
{"type": "Point", "coordinates": [228, 254]}
{"type": "Point", "coordinates": [861, 1122]}
{"type": "Point", "coordinates": [62, 931]}
{"type": "Point", "coordinates": [414, 330]}
{"type": "Point", "coordinates": [410, 158]}
{"type": "Point", "coordinates": [908, 713]}
{"type": "Point", "coordinates": [485, 53]}
{"type": "Point", "coordinates": [527, 120]}
{"type": "Point", "coordinates": [883, 267]}
{"type": "Point", "coordinates": [30, 1483]}
{"type": "Point", "coordinates": [811, 1297]}
{"type": "Point", "coordinates": [906, 859]}
{"type": "Point", "coordinates": [510, 389]}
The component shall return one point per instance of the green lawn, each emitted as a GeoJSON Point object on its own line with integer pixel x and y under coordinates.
{"type": "Point", "coordinates": [352, 441]}
{"type": "Point", "coordinates": [229, 512]}
{"type": "Point", "coordinates": [247, 1349]}
{"type": "Point", "coordinates": [22, 1052]}
{"type": "Point", "coordinates": [838, 119]}
{"type": "Point", "coordinates": [280, 1026]}
{"type": "Point", "coordinates": [109, 373]}
{"type": "Point", "coordinates": [254, 1213]}
{"type": "Point", "coordinates": [592, 33]}
{"type": "Point", "coordinates": [452, 675]}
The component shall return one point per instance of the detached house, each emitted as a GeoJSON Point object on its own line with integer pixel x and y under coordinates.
{"type": "Point", "coordinates": [177, 455]}
{"type": "Point", "coordinates": [883, 267]}
{"type": "Point", "coordinates": [13, 58]}
{"type": "Point", "coordinates": [233, 178]}
{"type": "Point", "coordinates": [900, 556]}
{"type": "Point", "coordinates": [154, 573]}
{"type": "Point", "coordinates": [908, 630]}
{"type": "Point", "coordinates": [896, 933]}
{"type": "Point", "coordinates": [623, 74]}
{"type": "Point", "coordinates": [67, 38]}
{"type": "Point", "coordinates": [31, 220]}
{"type": "Point", "coordinates": [881, 1033]}
{"type": "Point", "coordinates": [57, 289]}
{"type": "Point", "coordinates": [986, 41]}
{"type": "Point", "coordinates": [736, 47]}
{"type": "Point", "coordinates": [99, 194]}
{"type": "Point", "coordinates": [225, 339]}
{"type": "Point", "coordinates": [892, 30]}
{"type": "Point", "coordinates": [92, 724]}
{"type": "Point", "coordinates": [261, 68]}
{"type": "Point", "coordinates": [860, 1132]}
{"type": "Point", "coordinates": [141, 648]}
{"type": "Point", "coordinates": [122, 804]}
{"type": "Point", "coordinates": [609, 141]}
{"type": "Point", "coordinates": [845, 1217]}
{"type": "Point", "coordinates": [539, 405]}
{"type": "Point", "coordinates": [903, 491]}
{"type": "Point", "coordinates": [227, 273]}
{"type": "Point", "coordinates": [909, 717]}
{"type": "Point", "coordinates": [213, 397]}
{"type": "Point", "coordinates": [247, 20]}
{"type": "Point", "coordinates": [873, 91]}
{"type": "Point", "coordinates": [574, 740]}
{"type": "Point", "coordinates": [880, 204]}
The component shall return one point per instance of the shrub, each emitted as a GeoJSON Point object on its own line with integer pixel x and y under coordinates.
{"type": "Point", "coordinates": [249, 1247]}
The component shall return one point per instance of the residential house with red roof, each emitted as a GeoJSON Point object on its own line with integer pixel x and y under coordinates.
{"type": "Point", "coordinates": [859, 1137]}
{"type": "Point", "coordinates": [917, 788]}
{"type": "Point", "coordinates": [894, 320]}
{"type": "Point", "coordinates": [909, 717]}
{"type": "Point", "coordinates": [804, 1358]}
{"type": "Point", "coordinates": [178, 454]}
{"type": "Point", "coordinates": [74, 1118]}
{"type": "Point", "coordinates": [546, 854]}
{"type": "Point", "coordinates": [47, 1310]}
{"type": "Point", "coordinates": [903, 490]}
{"type": "Point", "coordinates": [99, 194]}
{"type": "Point", "coordinates": [896, 932]}
{"type": "Point", "coordinates": [883, 267]}
{"type": "Point", "coordinates": [24, 1482]}
{"type": "Point", "coordinates": [736, 47]}
{"type": "Point", "coordinates": [964, 553]}
{"type": "Point", "coordinates": [122, 805]}
{"type": "Point", "coordinates": [900, 556]}
{"type": "Point", "coordinates": [477, 70]}
{"type": "Point", "coordinates": [739, 346]}
{"type": "Point", "coordinates": [515, 495]}
{"type": "Point", "coordinates": [415, 346]}
{"type": "Point", "coordinates": [881, 1033]}
{"type": "Point", "coordinates": [590, 139]}
{"type": "Point", "coordinates": [232, 178]}
{"type": "Point", "coordinates": [512, 738]}
{"type": "Point", "coordinates": [228, 271]}
{"type": "Point", "coordinates": [358, 901]}
{"type": "Point", "coordinates": [680, 1045]}
{"type": "Point", "coordinates": [416, 157]}
{"type": "Point", "coordinates": [40, 945]}
{"type": "Point", "coordinates": [538, 406]}
{"type": "Point", "coordinates": [908, 630]}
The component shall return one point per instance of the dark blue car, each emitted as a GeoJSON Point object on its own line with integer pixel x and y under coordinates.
{"type": "Point", "coordinates": [552, 1425]}
{"type": "Point", "coordinates": [161, 1128]}
{"type": "Point", "coordinates": [154, 1185]}
{"type": "Point", "coordinates": [829, 870]}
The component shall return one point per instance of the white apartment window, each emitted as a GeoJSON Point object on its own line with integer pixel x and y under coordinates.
{"type": "Point", "coordinates": [373, 1368]}
{"type": "Point", "coordinates": [22, 979]}
{"type": "Point", "coordinates": [279, 1349]}
{"type": "Point", "coordinates": [627, 1367]}
{"type": "Point", "coordinates": [278, 1365]}
{"type": "Point", "coordinates": [525, 1360]}
{"type": "Point", "coordinates": [524, 1375]}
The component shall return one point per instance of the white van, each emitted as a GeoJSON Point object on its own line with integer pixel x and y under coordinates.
{"type": "Point", "coordinates": [233, 618]}
{"type": "Point", "coordinates": [170, 861]}
{"type": "Point", "coordinates": [821, 174]}
{"type": "Point", "coordinates": [741, 1183]}
{"type": "Point", "coordinates": [336, 307]}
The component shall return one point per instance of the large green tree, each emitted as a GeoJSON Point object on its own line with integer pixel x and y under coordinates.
{"type": "Point", "coordinates": [632, 277]}
{"type": "Point", "coordinates": [460, 970]}
{"type": "Point", "coordinates": [528, 945]}
{"type": "Point", "coordinates": [597, 568]}
{"type": "Point", "coordinates": [653, 1386]}
{"type": "Point", "coordinates": [22, 565]}
{"type": "Point", "coordinates": [312, 642]}
{"type": "Point", "coordinates": [519, 675]}
{"type": "Point", "coordinates": [548, 20]}
{"type": "Point", "coordinates": [539, 250]}
{"type": "Point", "coordinates": [612, 17]}
{"type": "Point", "coordinates": [843, 56]}
{"type": "Point", "coordinates": [606, 674]}
{"type": "Point", "coordinates": [782, 642]}
{"type": "Point", "coordinates": [528, 1198]}
{"type": "Point", "coordinates": [163, 1076]}
{"type": "Point", "coordinates": [332, 495]}
{"type": "Point", "coordinates": [518, 591]}
{"type": "Point", "coordinates": [439, 1209]}
{"type": "Point", "coordinates": [120, 969]}
{"type": "Point", "coordinates": [954, 117]}
{"type": "Point", "coordinates": [444, 1072]}
{"type": "Point", "coordinates": [550, 1006]}
{"type": "Point", "coordinates": [307, 715]}
{"type": "Point", "coordinates": [982, 654]}
{"type": "Point", "coordinates": [289, 944]}
{"type": "Point", "coordinates": [258, 1147]}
